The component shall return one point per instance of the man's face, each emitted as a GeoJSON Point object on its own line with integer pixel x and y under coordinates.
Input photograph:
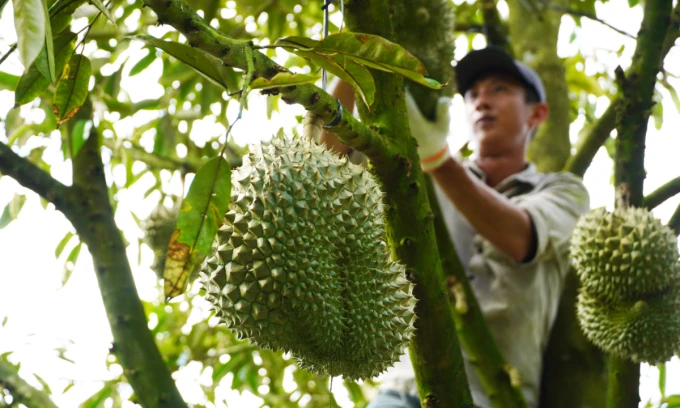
{"type": "Point", "coordinates": [498, 113]}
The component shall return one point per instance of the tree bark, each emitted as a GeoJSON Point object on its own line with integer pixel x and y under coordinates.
{"type": "Point", "coordinates": [534, 39]}
{"type": "Point", "coordinates": [21, 391]}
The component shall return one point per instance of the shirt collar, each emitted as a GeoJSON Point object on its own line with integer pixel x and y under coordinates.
{"type": "Point", "coordinates": [528, 176]}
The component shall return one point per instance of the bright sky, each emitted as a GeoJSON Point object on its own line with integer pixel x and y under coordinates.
{"type": "Point", "coordinates": [43, 316]}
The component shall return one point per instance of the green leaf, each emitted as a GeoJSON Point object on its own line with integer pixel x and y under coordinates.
{"type": "Point", "coordinates": [61, 14]}
{"type": "Point", "coordinates": [97, 400]}
{"type": "Point", "coordinates": [68, 387]}
{"type": "Point", "coordinates": [45, 60]}
{"type": "Point", "coordinates": [4, 321]}
{"type": "Point", "coordinates": [372, 51]}
{"type": "Point", "coordinates": [282, 79]}
{"type": "Point", "coordinates": [673, 401]}
{"type": "Point", "coordinates": [44, 384]}
{"type": "Point", "coordinates": [79, 135]}
{"type": "Point", "coordinates": [205, 64]}
{"type": "Point", "coordinates": [662, 379]}
{"type": "Point", "coordinates": [103, 9]}
{"type": "Point", "coordinates": [72, 88]}
{"type": "Point", "coordinates": [349, 71]}
{"type": "Point", "coordinates": [143, 63]}
{"type": "Point", "coordinates": [199, 219]}
{"type": "Point", "coordinates": [633, 3]}
{"type": "Point", "coordinates": [12, 210]}
{"type": "Point", "coordinates": [70, 264]}
{"type": "Point", "coordinates": [8, 82]}
{"type": "Point", "coordinates": [62, 244]}
{"type": "Point", "coordinates": [29, 20]}
{"type": "Point", "coordinates": [32, 83]}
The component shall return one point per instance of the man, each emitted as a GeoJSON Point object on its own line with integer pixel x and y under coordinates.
{"type": "Point", "coordinates": [510, 224]}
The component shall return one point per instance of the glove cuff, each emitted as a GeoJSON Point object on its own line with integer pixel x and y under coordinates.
{"type": "Point", "coordinates": [435, 160]}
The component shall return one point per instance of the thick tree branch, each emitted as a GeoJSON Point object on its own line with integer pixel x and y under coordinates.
{"type": "Point", "coordinates": [232, 52]}
{"type": "Point", "coordinates": [21, 391]}
{"type": "Point", "coordinates": [495, 31]}
{"type": "Point", "coordinates": [637, 91]}
{"type": "Point", "coordinates": [134, 344]}
{"type": "Point", "coordinates": [473, 333]}
{"type": "Point", "coordinates": [33, 178]}
{"type": "Point", "coordinates": [661, 194]}
{"type": "Point", "coordinates": [435, 352]}
{"type": "Point", "coordinates": [599, 131]}
{"type": "Point", "coordinates": [595, 137]}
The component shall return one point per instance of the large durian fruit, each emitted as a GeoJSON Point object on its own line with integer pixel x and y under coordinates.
{"type": "Point", "coordinates": [301, 262]}
{"type": "Point", "coordinates": [626, 253]}
{"type": "Point", "coordinates": [642, 330]}
{"type": "Point", "coordinates": [629, 300]}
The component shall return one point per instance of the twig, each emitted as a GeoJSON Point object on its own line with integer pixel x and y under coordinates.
{"type": "Point", "coordinates": [662, 194]}
{"type": "Point", "coordinates": [33, 178]}
{"type": "Point", "coordinates": [22, 391]}
{"type": "Point", "coordinates": [589, 16]}
{"type": "Point", "coordinates": [8, 53]}
{"type": "Point", "coordinates": [232, 52]}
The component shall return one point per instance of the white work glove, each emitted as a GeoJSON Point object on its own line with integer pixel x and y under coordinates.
{"type": "Point", "coordinates": [433, 147]}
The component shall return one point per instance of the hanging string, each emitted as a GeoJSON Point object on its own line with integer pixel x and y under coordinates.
{"type": "Point", "coordinates": [324, 76]}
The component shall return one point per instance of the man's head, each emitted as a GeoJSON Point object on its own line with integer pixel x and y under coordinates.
{"type": "Point", "coordinates": [505, 99]}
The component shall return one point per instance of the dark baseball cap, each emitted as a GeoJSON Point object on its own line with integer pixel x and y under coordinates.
{"type": "Point", "coordinates": [495, 59]}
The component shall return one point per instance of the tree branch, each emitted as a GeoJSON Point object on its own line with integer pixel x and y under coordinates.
{"type": "Point", "coordinates": [663, 193]}
{"type": "Point", "coordinates": [232, 52]}
{"type": "Point", "coordinates": [599, 131]}
{"type": "Point", "coordinates": [21, 391]}
{"type": "Point", "coordinates": [589, 16]}
{"type": "Point", "coordinates": [134, 344]}
{"type": "Point", "coordinates": [674, 222]}
{"type": "Point", "coordinates": [473, 333]}
{"type": "Point", "coordinates": [637, 91]}
{"type": "Point", "coordinates": [594, 139]}
{"type": "Point", "coordinates": [33, 178]}
{"type": "Point", "coordinates": [495, 31]}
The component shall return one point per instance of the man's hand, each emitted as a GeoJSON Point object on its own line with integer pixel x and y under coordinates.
{"type": "Point", "coordinates": [433, 148]}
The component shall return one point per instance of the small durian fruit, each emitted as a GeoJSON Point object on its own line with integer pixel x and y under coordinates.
{"type": "Point", "coordinates": [624, 254]}
{"type": "Point", "coordinates": [158, 228]}
{"type": "Point", "coordinates": [301, 263]}
{"type": "Point", "coordinates": [644, 330]}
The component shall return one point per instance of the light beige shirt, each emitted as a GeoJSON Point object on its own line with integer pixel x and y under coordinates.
{"type": "Point", "coordinates": [518, 300]}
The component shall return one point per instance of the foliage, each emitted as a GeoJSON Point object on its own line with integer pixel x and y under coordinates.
{"type": "Point", "coordinates": [82, 55]}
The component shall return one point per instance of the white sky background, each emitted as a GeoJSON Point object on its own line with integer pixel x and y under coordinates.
{"type": "Point", "coordinates": [43, 317]}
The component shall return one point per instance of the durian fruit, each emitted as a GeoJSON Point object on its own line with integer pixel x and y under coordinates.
{"type": "Point", "coordinates": [643, 330]}
{"type": "Point", "coordinates": [624, 254]}
{"type": "Point", "coordinates": [158, 228]}
{"type": "Point", "coordinates": [301, 263]}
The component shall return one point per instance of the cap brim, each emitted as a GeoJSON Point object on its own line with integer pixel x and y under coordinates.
{"type": "Point", "coordinates": [479, 62]}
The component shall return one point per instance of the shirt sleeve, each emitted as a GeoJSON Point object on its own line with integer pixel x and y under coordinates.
{"type": "Point", "coordinates": [554, 211]}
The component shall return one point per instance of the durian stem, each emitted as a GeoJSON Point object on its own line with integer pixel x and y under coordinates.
{"type": "Point", "coordinates": [624, 383]}
{"type": "Point", "coordinates": [232, 52]}
{"type": "Point", "coordinates": [21, 391]}
{"type": "Point", "coordinates": [473, 332]}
